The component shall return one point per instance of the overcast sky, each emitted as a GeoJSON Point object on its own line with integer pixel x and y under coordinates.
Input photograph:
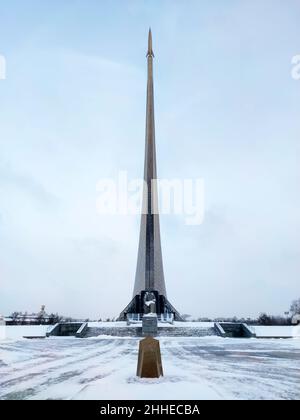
{"type": "Point", "coordinates": [73, 111]}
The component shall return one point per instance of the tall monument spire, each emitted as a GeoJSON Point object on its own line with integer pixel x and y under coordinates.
{"type": "Point", "coordinates": [150, 50]}
{"type": "Point", "coordinates": [149, 278]}
{"type": "Point", "coordinates": [150, 273]}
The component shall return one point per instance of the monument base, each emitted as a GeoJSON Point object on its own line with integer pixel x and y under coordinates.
{"type": "Point", "coordinates": [150, 325]}
{"type": "Point", "coordinates": [163, 307]}
{"type": "Point", "coordinates": [149, 362]}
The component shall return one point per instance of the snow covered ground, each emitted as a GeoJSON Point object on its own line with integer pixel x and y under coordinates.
{"type": "Point", "coordinates": [20, 331]}
{"type": "Point", "coordinates": [195, 368]}
{"type": "Point", "coordinates": [277, 331]}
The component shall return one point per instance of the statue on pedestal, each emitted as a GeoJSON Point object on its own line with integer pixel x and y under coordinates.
{"type": "Point", "coordinates": [149, 303]}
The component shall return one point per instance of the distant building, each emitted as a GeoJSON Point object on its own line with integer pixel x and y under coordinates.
{"type": "Point", "coordinates": [24, 318]}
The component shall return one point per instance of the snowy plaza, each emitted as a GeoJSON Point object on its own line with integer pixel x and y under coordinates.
{"type": "Point", "coordinates": [105, 368]}
{"type": "Point", "coordinates": [149, 214]}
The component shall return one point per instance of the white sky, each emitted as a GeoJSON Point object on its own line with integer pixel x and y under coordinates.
{"type": "Point", "coordinates": [73, 111]}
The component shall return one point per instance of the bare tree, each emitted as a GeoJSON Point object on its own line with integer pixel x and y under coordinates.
{"type": "Point", "coordinates": [14, 317]}
{"type": "Point", "coordinates": [295, 307]}
{"type": "Point", "coordinates": [264, 319]}
{"type": "Point", "coordinates": [53, 319]}
{"type": "Point", "coordinates": [24, 318]}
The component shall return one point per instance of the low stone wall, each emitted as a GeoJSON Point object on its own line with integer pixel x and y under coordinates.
{"type": "Point", "coordinates": [233, 330]}
{"type": "Point", "coordinates": [114, 332]}
{"type": "Point", "coordinates": [64, 329]}
{"type": "Point", "coordinates": [162, 332]}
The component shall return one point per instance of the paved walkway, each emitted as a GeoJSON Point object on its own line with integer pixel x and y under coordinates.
{"type": "Point", "coordinates": [195, 368]}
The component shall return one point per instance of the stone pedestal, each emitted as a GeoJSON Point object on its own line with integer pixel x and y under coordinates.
{"type": "Point", "coordinates": [150, 325]}
{"type": "Point", "coordinates": [149, 363]}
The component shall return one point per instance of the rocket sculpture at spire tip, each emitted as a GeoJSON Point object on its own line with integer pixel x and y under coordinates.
{"type": "Point", "coordinates": [150, 50]}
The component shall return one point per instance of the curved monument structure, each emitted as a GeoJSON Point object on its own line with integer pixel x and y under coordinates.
{"type": "Point", "coordinates": [150, 273]}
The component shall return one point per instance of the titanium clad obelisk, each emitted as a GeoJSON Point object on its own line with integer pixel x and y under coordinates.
{"type": "Point", "coordinates": [149, 287]}
{"type": "Point", "coordinates": [150, 272]}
